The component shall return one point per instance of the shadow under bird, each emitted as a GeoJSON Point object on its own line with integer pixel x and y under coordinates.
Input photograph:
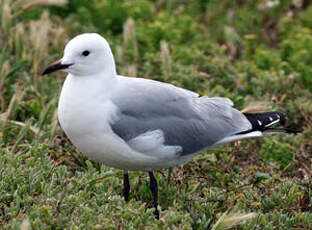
{"type": "Point", "coordinates": [140, 124]}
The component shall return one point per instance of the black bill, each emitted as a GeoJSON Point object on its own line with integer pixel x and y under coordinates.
{"type": "Point", "coordinates": [54, 67]}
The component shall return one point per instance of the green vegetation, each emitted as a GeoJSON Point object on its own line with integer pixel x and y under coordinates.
{"type": "Point", "coordinates": [250, 51]}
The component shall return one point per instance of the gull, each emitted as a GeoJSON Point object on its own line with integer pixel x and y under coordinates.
{"type": "Point", "coordinates": [141, 124]}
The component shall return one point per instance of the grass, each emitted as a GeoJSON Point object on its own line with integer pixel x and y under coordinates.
{"type": "Point", "coordinates": [217, 48]}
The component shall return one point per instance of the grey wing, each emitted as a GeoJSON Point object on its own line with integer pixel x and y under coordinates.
{"type": "Point", "coordinates": [173, 117]}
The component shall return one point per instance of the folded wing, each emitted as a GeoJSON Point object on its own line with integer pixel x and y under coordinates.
{"type": "Point", "coordinates": [159, 118]}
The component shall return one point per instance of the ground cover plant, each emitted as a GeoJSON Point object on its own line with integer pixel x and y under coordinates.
{"type": "Point", "coordinates": [254, 52]}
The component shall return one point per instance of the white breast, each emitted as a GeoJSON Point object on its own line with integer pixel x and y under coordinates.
{"type": "Point", "coordinates": [82, 111]}
{"type": "Point", "coordinates": [85, 117]}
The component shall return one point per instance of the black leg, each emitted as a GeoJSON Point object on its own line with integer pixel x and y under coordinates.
{"type": "Point", "coordinates": [154, 189]}
{"type": "Point", "coordinates": [126, 186]}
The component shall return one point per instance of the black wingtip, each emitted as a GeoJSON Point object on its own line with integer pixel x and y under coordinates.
{"type": "Point", "coordinates": [283, 118]}
{"type": "Point", "coordinates": [268, 121]}
{"type": "Point", "coordinates": [263, 121]}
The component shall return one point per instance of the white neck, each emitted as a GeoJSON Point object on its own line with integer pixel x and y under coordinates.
{"type": "Point", "coordinates": [92, 86]}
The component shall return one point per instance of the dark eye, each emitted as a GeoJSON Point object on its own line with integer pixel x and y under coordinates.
{"type": "Point", "coordinates": [85, 53]}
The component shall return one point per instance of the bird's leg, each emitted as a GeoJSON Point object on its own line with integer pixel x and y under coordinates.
{"type": "Point", "coordinates": [154, 189]}
{"type": "Point", "coordinates": [126, 186]}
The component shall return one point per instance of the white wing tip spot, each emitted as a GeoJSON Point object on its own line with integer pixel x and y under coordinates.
{"type": "Point", "coordinates": [272, 123]}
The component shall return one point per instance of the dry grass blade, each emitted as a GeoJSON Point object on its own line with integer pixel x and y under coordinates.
{"type": "Point", "coordinates": [39, 33]}
{"type": "Point", "coordinates": [18, 3]}
{"type": "Point", "coordinates": [128, 32]}
{"type": "Point", "coordinates": [6, 16]}
{"type": "Point", "coordinates": [107, 174]}
{"type": "Point", "coordinates": [257, 107]}
{"type": "Point", "coordinates": [132, 70]}
{"type": "Point", "coordinates": [165, 58]}
{"type": "Point", "coordinates": [25, 225]}
{"type": "Point", "coordinates": [40, 3]}
{"type": "Point", "coordinates": [227, 221]}
{"type": "Point", "coordinates": [306, 168]}
{"type": "Point", "coordinates": [54, 125]}
{"type": "Point", "coordinates": [5, 116]}
{"type": "Point", "coordinates": [130, 42]}
{"type": "Point", "coordinates": [31, 128]}
{"type": "Point", "coordinates": [63, 195]}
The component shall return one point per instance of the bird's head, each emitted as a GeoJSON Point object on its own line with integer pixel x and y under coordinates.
{"type": "Point", "coordinates": [86, 54]}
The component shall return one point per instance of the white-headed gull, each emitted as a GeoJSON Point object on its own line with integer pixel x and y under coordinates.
{"type": "Point", "coordinates": [140, 124]}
